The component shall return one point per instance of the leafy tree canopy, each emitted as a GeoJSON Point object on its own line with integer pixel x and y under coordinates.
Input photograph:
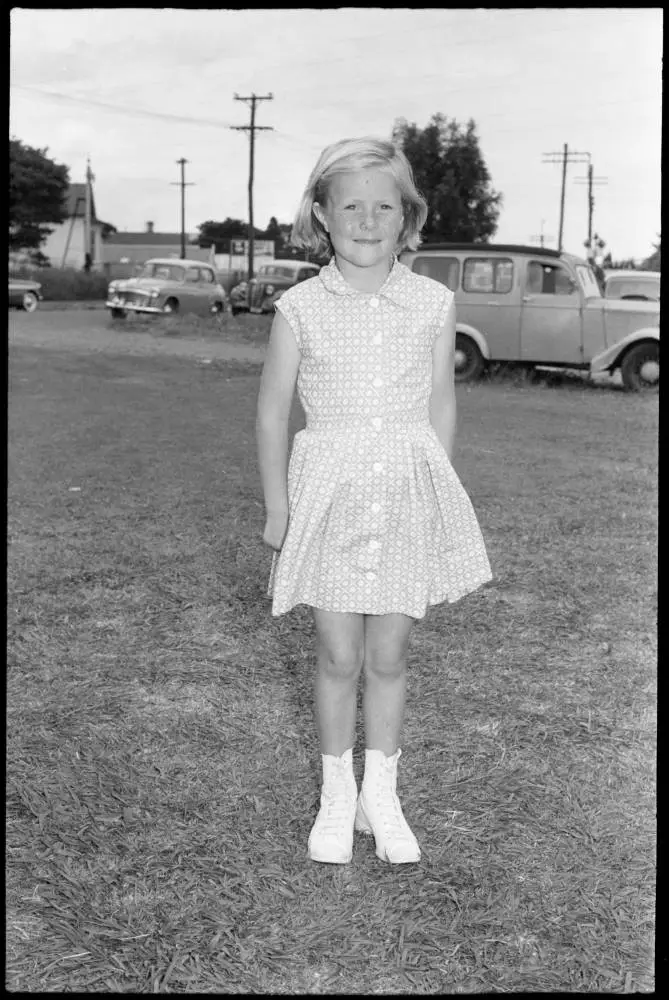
{"type": "Point", "coordinates": [37, 195]}
{"type": "Point", "coordinates": [220, 233]}
{"type": "Point", "coordinates": [452, 176]}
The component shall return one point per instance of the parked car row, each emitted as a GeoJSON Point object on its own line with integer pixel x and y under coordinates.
{"type": "Point", "coordinates": [514, 303]}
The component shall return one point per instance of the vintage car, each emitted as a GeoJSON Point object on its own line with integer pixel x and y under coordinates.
{"type": "Point", "coordinates": [540, 307]}
{"type": "Point", "coordinates": [635, 286]}
{"type": "Point", "coordinates": [24, 294]}
{"type": "Point", "coordinates": [168, 285]}
{"type": "Point", "coordinates": [271, 280]}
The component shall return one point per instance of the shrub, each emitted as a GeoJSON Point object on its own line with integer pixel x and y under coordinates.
{"type": "Point", "coordinates": [67, 284]}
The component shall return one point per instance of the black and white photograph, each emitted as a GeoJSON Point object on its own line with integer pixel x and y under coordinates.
{"type": "Point", "coordinates": [332, 500]}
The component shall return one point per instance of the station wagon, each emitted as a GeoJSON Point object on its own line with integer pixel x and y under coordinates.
{"type": "Point", "coordinates": [541, 307]}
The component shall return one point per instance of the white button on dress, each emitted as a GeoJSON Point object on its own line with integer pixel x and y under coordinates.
{"type": "Point", "coordinates": [374, 302]}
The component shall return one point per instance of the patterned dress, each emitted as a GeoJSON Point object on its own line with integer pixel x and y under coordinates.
{"type": "Point", "coordinates": [379, 521]}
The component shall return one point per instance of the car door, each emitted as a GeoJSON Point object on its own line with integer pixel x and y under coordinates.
{"type": "Point", "coordinates": [194, 298]}
{"type": "Point", "coordinates": [208, 289]}
{"type": "Point", "coordinates": [551, 314]}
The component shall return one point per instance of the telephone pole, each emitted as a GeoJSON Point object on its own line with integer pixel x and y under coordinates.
{"type": "Point", "coordinates": [182, 184]}
{"type": "Point", "coordinates": [541, 236]}
{"type": "Point", "coordinates": [88, 216]}
{"type": "Point", "coordinates": [252, 129]}
{"type": "Point", "coordinates": [565, 157]}
{"type": "Point", "coordinates": [591, 181]}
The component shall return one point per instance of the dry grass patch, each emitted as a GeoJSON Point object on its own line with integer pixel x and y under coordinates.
{"type": "Point", "coordinates": [163, 770]}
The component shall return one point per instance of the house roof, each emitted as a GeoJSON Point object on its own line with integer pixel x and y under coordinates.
{"type": "Point", "coordinates": [75, 202]}
{"type": "Point", "coordinates": [146, 239]}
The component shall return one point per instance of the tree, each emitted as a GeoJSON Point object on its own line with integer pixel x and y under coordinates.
{"type": "Point", "coordinates": [37, 196]}
{"type": "Point", "coordinates": [220, 233]}
{"type": "Point", "coordinates": [452, 176]}
{"type": "Point", "coordinates": [274, 232]}
{"type": "Point", "coordinates": [654, 262]}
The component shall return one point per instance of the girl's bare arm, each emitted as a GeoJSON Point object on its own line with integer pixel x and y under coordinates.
{"type": "Point", "coordinates": [442, 397]}
{"type": "Point", "coordinates": [275, 398]}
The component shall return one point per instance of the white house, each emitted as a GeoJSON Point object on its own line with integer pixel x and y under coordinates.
{"type": "Point", "coordinates": [66, 246]}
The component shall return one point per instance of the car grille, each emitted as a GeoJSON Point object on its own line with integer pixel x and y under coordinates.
{"type": "Point", "coordinates": [135, 298]}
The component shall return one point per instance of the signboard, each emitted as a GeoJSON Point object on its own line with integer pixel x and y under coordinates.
{"type": "Point", "coordinates": [263, 248]}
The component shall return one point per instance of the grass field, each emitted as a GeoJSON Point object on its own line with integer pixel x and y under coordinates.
{"type": "Point", "coordinates": [163, 769]}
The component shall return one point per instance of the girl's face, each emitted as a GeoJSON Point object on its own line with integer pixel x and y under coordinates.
{"type": "Point", "coordinates": [363, 216]}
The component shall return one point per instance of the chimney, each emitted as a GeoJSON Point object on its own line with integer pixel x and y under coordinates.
{"type": "Point", "coordinates": [149, 227]}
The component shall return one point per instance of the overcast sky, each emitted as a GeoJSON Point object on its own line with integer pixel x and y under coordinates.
{"type": "Point", "coordinates": [137, 89]}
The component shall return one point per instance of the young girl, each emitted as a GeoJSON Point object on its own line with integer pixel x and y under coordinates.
{"type": "Point", "coordinates": [369, 523]}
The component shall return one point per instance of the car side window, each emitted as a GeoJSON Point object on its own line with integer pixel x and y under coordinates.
{"type": "Point", "coordinates": [548, 279]}
{"type": "Point", "coordinates": [206, 276]}
{"type": "Point", "coordinates": [443, 269]}
{"type": "Point", "coordinates": [193, 275]}
{"type": "Point", "coordinates": [487, 275]}
{"type": "Point", "coordinates": [303, 275]}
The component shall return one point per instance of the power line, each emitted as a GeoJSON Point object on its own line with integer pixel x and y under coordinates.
{"type": "Point", "coordinates": [122, 109]}
{"type": "Point", "coordinates": [252, 129]}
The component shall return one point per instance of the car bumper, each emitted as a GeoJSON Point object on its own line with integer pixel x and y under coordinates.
{"type": "Point", "coordinates": [132, 307]}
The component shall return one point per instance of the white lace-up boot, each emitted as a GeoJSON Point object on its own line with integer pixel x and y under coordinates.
{"type": "Point", "coordinates": [379, 811]}
{"type": "Point", "coordinates": [331, 837]}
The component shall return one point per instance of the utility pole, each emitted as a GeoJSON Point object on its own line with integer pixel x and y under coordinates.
{"type": "Point", "coordinates": [252, 129]}
{"type": "Point", "coordinates": [565, 157]}
{"type": "Point", "coordinates": [88, 215]}
{"type": "Point", "coordinates": [182, 184]}
{"type": "Point", "coordinates": [541, 236]}
{"type": "Point", "coordinates": [591, 181]}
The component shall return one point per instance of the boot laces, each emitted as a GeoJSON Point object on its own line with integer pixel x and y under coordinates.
{"type": "Point", "coordinates": [390, 813]}
{"type": "Point", "coordinates": [337, 804]}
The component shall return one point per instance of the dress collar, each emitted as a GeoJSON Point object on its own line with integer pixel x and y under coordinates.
{"type": "Point", "coordinates": [393, 288]}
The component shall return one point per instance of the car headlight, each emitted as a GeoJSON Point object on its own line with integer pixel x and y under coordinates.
{"type": "Point", "coordinates": [154, 295]}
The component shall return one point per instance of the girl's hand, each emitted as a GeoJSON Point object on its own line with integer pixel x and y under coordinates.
{"type": "Point", "coordinates": [276, 525]}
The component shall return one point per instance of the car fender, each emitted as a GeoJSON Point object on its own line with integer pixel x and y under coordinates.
{"type": "Point", "coordinates": [610, 357]}
{"type": "Point", "coordinates": [476, 336]}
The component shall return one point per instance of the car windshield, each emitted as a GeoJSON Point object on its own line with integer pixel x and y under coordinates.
{"type": "Point", "coordinates": [269, 270]}
{"type": "Point", "coordinates": [165, 272]}
{"type": "Point", "coordinates": [588, 282]}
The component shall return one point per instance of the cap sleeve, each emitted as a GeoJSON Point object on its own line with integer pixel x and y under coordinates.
{"type": "Point", "coordinates": [286, 307]}
{"type": "Point", "coordinates": [447, 297]}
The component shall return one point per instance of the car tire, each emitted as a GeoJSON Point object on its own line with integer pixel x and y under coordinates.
{"type": "Point", "coordinates": [217, 308]}
{"type": "Point", "coordinates": [640, 368]}
{"type": "Point", "coordinates": [469, 362]}
{"type": "Point", "coordinates": [29, 302]}
{"type": "Point", "coordinates": [118, 313]}
{"type": "Point", "coordinates": [171, 306]}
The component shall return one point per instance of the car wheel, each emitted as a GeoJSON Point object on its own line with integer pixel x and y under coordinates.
{"type": "Point", "coordinates": [469, 363]}
{"type": "Point", "coordinates": [171, 306]}
{"type": "Point", "coordinates": [217, 307]}
{"type": "Point", "coordinates": [29, 302]}
{"type": "Point", "coordinates": [640, 369]}
{"type": "Point", "coordinates": [117, 313]}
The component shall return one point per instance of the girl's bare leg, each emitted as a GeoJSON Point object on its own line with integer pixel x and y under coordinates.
{"type": "Point", "coordinates": [340, 641]}
{"type": "Point", "coordinates": [386, 640]}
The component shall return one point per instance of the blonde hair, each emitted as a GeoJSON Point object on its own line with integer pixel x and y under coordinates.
{"type": "Point", "coordinates": [308, 233]}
